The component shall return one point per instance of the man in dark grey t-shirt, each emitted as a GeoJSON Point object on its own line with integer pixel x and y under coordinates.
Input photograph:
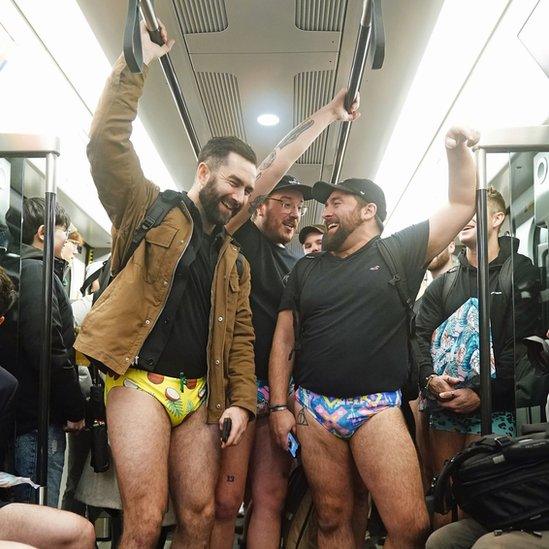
{"type": "Point", "coordinates": [352, 353]}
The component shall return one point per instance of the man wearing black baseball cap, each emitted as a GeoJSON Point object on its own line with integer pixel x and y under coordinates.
{"type": "Point", "coordinates": [275, 214]}
{"type": "Point", "coordinates": [310, 238]}
{"type": "Point", "coordinates": [352, 359]}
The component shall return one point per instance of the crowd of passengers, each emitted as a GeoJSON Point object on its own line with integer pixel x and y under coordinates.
{"type": "Point", "coordinates": [213, 318]}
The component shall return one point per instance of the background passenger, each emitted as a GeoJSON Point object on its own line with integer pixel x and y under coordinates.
{"type": "Point", "coordinates": [310, 238]}
{"type": "Point", "coordinates": [445, 306]}
{"type": "Point", "coordinates": [67, 401]}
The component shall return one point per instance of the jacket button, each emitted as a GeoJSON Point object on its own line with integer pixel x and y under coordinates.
{"type": "Point", "coordinates": [220, 318]}
{"type": "Point", "coordinates": [218, 406]}
{"type": "Point", "coordinates": [127, 359]}
{"type": "Point", "coordinates": [218, 361]}
{"type": "Point", "coordinates": [147, 321]}
{"type": "Point", "coordinates": [165, 282]}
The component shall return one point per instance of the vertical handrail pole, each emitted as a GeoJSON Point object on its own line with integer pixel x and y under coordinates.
{"type": "Point", "coordinates": [355, 79]}
{"type": "Point", "coordinates": [147, 9]}
{"type": "Point", "coordinates": [483, 283]}
{"type": "Point", "coordinates": [45, 355]}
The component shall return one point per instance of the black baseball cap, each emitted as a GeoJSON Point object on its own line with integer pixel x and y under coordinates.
{"type": "Point", "coordinates": [306, 231]}
{"type": "Point", "coordinates": [290, 182]}
{"type": "Point", "coordinates": [366, 189]}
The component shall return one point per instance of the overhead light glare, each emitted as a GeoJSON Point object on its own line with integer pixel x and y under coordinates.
{"type": "Point", "coordinates": [268, 119]}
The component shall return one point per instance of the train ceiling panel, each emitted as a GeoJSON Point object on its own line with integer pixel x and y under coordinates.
{"type": "Point", "coordinates": [264, 54]}
{"type": "Point", "coordinates": [221, 98]}
{"type": "Point", "coordinates": [312, 89]}
{"type": "Point", "coordinates": [320, 15]}
{"type": "Point", "coordinates": [199, 16]}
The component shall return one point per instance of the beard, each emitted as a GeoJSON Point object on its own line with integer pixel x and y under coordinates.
{"type": "Point", "coordinates": [211, 201]}
{"type": "Point", "coordinates": [332, 242]}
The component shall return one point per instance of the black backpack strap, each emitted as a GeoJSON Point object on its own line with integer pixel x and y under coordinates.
{"type": "Point", "coordinates": [165, 201]}
{"type": "Point", "coordinates": [390, 254]}
{"type": "Point", "coordinates": [449, 281]}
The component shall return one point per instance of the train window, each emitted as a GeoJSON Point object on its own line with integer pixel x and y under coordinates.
{"type": "Point", "coordinates": [529, 216]}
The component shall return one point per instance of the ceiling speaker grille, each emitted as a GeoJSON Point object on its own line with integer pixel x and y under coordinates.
{"type": "Point", "coordinates": [221, 97]}
{"type": "Point", "coordinates": [319, 15]}
{"type": "Point", "coordinates": [312, 90]}
{"type": "Point", "coordinates": [197, 16]}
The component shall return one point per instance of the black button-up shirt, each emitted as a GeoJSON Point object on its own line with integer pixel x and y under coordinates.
{"type": "Point", "coordinates": [177, 343]}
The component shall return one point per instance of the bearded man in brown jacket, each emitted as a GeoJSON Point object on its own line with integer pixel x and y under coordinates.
{"type": "Point", "coordinates": [175, 323]}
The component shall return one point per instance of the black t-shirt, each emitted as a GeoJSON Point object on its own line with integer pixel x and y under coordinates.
{"type": "Point", "coordinates": [177, 344]}
{"type": "Point", "coordinates": [269, 265]}
{"type": "Point", "coordinates": [353, 324]}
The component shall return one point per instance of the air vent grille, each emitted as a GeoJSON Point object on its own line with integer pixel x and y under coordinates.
{"type": "Point", "coordinates": [319, 15]}
{"type": "Point", "coordinates": [311, 91]}
{"type": "Point", "coordinates": [221, 97]}
{"type": "Point", "coordinates": [199, 16]}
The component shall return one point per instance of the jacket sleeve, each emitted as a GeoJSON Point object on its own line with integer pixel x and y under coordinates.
{"type": "Point", "coordinates": [66, 395]}
{"type": "Point", "coordinates": [524, 322]}
{"type": "Point", "coordinates": [123, 189]}
{"type": "Point", "coordinates": [242, 382]}
{"type": "Point", "coordinates": [429, 317]}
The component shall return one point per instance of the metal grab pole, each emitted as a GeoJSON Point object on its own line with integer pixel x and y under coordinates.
{"type": "Point", "coordinates": [483, 283]}
{"type": "Point", "coordinates": [45, 355]}
{"type": "Point", "coordinates": [151, 20]}
{"type": "Point", "coordinates": [355, 79]}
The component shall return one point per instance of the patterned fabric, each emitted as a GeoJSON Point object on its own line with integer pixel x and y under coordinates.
{"type": "Point", "coordinates": [180, 397]}
{"type": "Point", "coordinates": [343, 416]}
{"type": "Point", "coordinates": [455, 345]}
{"type": "Point", "coordinates": [503, 423]}
{"type": "Point", "coordinates": [263, 396]}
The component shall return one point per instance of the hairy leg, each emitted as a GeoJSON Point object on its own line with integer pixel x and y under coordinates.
{"type": "Point", "coordinates": [229, 492]}
{"type": "Point", "coordinates": [387, 460]}
{"type": "Point", "coordinates": [139, 435]}
{"type": "Point", "coordinates": [328, 466]}
{"type": "Point", "coordinates": [269, 472]}
{"type": "Point", "coordinates": [193, 470]}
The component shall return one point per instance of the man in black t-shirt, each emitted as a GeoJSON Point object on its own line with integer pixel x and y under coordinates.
{"type": "Point", "coordinates": [352, 353]}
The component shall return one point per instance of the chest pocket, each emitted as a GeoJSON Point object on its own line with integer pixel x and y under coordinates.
{"type": "Point", "coordinates": [157, 243]}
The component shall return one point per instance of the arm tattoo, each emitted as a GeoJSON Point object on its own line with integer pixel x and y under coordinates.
{"type": "Point", "coordinates": [256, 202]}
{"type": "Point", "coordinates": [296, 132]}
{"type": "Point", "coordinates": [267, 163]}
{"type": "Point", "coordinates": [302, 418]}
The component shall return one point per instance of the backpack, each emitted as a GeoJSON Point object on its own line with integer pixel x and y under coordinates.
{"type": "Point", "coordinates": [501, 482]}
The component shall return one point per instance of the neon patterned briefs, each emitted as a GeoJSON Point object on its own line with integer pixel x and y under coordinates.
{"type": "Point", "coordinates": [167, 390]}
{"type": "Point", "coordinates": [343, 416]}
{"type": "Point", "coordinates": [263, 396]}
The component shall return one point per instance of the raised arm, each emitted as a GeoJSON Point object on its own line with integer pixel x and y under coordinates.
{"type": "Point", "coordinates": [114, 164]}
{"type": "Point", "coordinates": [292, 146]}
{"type": "Point", "coordinates": [445, 224]}
{"type": "Point", "coordinates": [281, 362]}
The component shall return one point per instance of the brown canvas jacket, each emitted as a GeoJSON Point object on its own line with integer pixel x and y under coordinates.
{"type": "Point", "coordinates": [118, 324]}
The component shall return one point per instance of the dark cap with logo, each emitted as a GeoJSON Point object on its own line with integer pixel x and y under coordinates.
{"type": "Point", "coordinates": [290, 182]}
{"type": "Point", "coordinates": [306, 231]}
{"type": "Point", "coordinates": [364, 188]}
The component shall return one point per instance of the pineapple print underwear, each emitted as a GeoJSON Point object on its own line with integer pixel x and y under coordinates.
{"type": "Point", "coordinates": [179, 396]}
